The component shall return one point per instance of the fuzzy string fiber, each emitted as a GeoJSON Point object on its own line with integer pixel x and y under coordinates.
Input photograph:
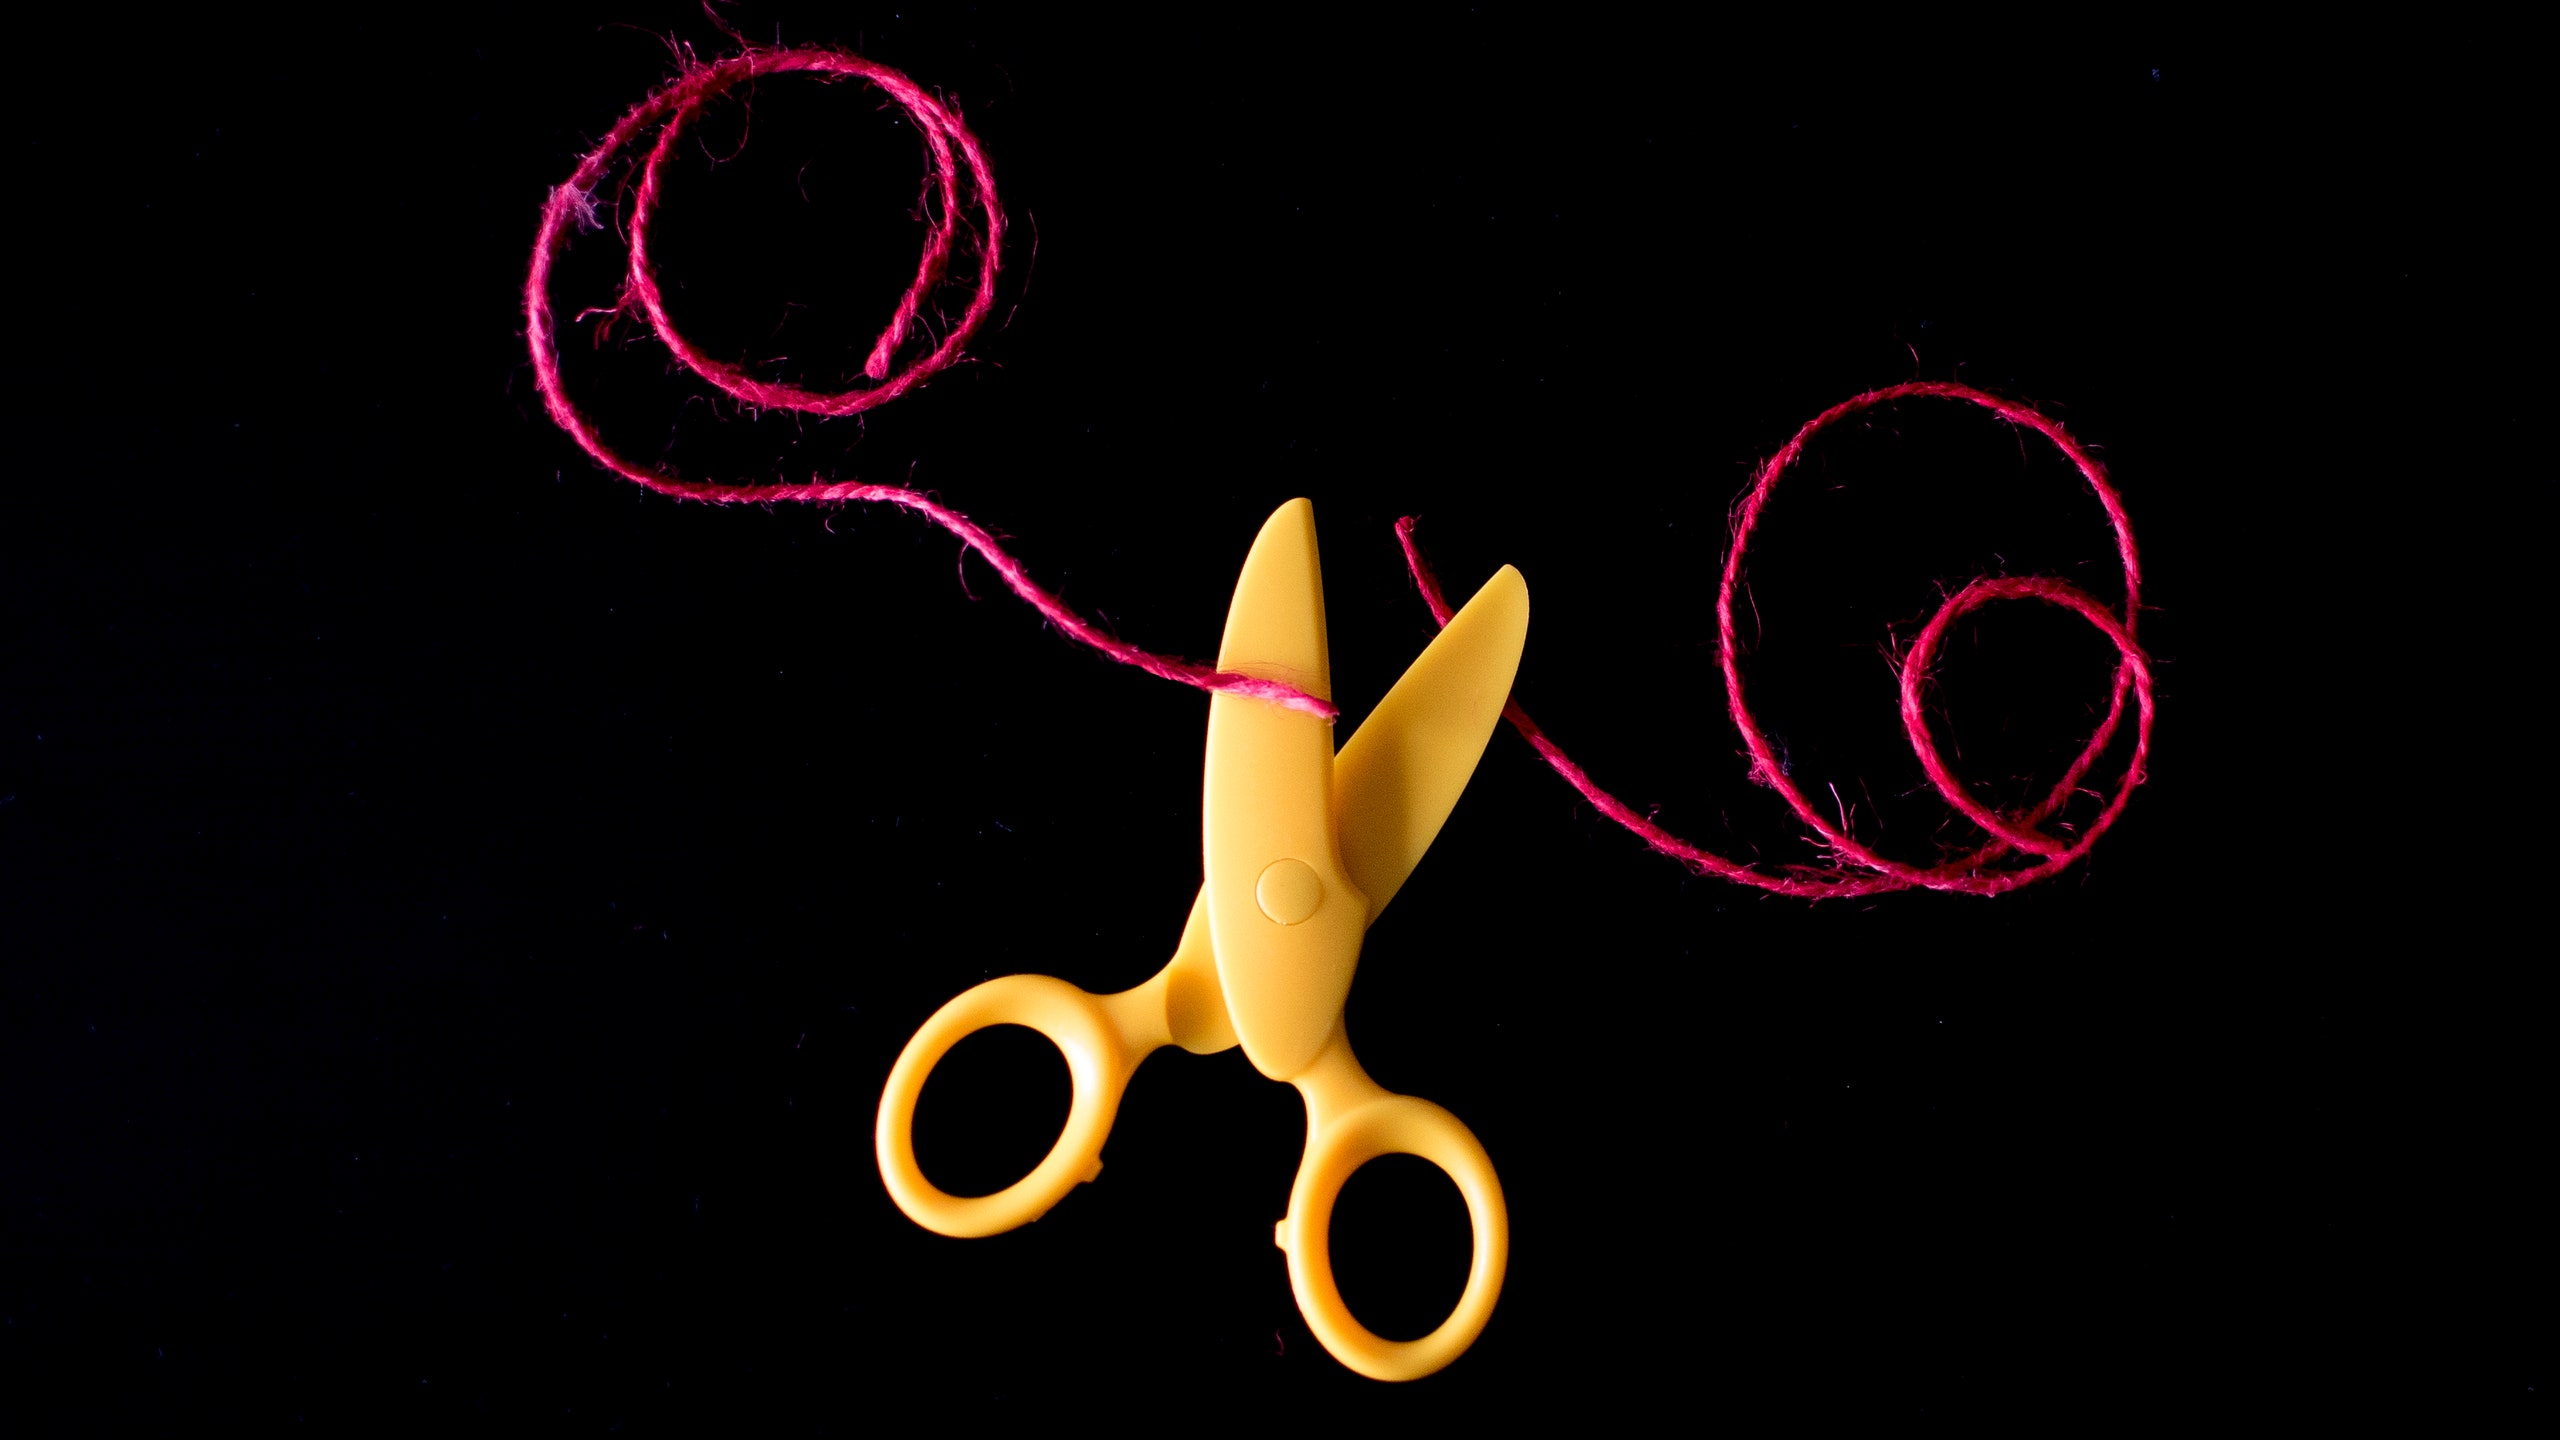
{"type": "Point", "coordinates": [2017, 851]}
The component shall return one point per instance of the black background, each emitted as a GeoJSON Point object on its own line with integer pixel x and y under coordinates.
{"type": "Point", "coordinates": [457, 910]}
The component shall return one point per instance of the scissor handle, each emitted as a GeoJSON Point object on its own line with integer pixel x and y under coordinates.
{"type": "Point", "coordinates": [1350, 1122]}
{"type": "Point", "coordinates": [1102, 1037]}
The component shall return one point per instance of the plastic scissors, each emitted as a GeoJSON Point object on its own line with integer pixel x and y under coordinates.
{"type": "Point", "coordinates": [1302, 848]}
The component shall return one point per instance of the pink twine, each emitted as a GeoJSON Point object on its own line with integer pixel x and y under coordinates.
{"type": "Point", "coordinates": [681, 100]}
{"type": "Point", "coordinates": [1965, 873]}
{"type": "Point", "coordinates": [573, 204]}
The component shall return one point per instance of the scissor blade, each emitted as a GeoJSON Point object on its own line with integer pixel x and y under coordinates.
{"type": "Point", "coordinates": [1285, 918]}
{"type": "Point", "coordinates": [1275, 626]}
{"type": "Point", "coordinates": [1396, 780]}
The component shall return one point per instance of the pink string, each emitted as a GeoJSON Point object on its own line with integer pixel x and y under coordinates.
{"type": "Point", "coordinates": [1966, 873]}
{"type": "Point", "coordinates": [950, 147]}
{"type": "Point", "coordinates": [1854, 869]}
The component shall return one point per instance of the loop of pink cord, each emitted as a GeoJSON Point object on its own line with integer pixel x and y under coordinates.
{"type": "Point", "coordinates": [1967, 873]}
{"type": "Point", "coordinates": [572, 204]}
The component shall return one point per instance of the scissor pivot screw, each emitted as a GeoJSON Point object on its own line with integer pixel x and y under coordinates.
{"type": "Point", "coordinates": [1289, 891]}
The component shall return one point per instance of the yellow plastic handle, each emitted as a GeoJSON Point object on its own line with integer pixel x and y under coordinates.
{"type": "Point", "coordinates": [1102, 1037]}
{"type": "Point", "coordinates": [1350, 1122]}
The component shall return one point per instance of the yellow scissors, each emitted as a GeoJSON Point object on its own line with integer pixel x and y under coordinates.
{"type": "Point", "coordinates": [1302, 849]}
